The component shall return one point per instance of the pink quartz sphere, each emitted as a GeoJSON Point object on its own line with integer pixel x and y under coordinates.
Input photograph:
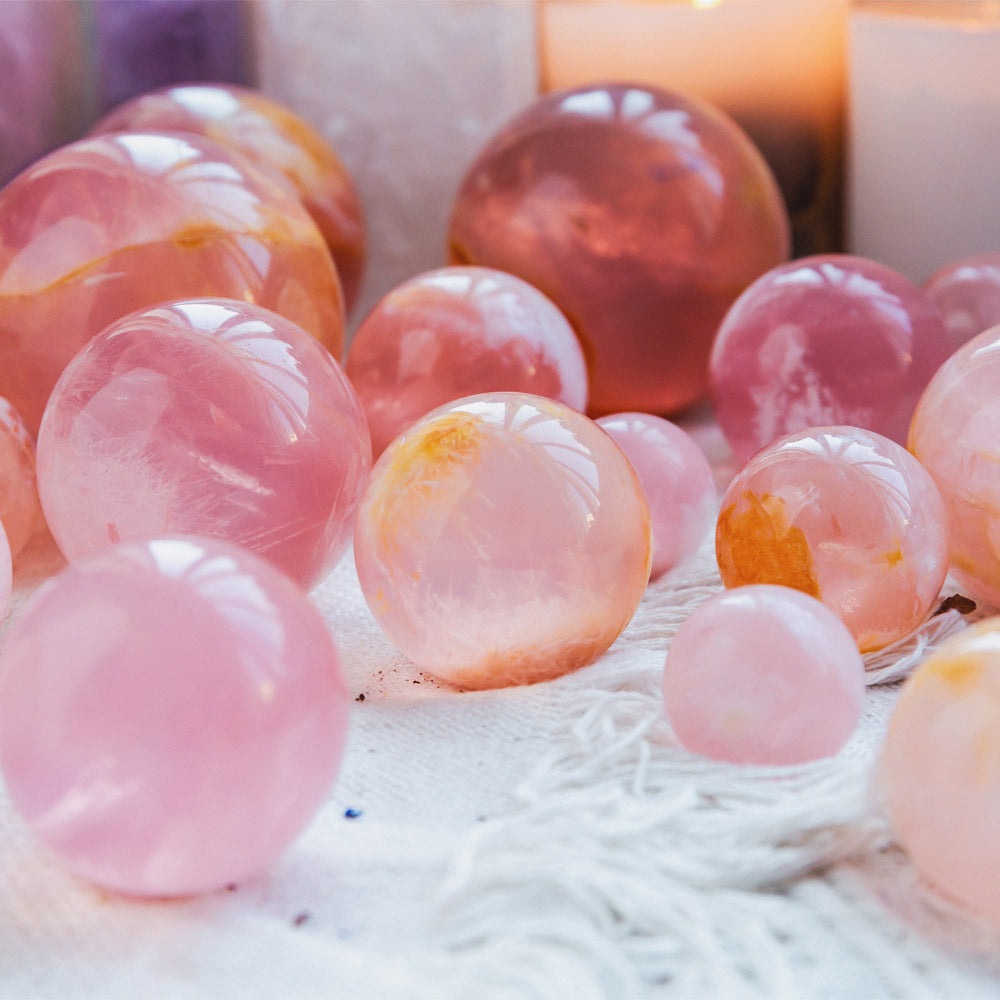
{"type": "Point", "coordinates": [678, 481]}
{"type": "Point", "coordinates": [955, 434]}
{"type": "Point", "coordinates": [455, 332]}
{"type": "Point", "coordinates": [967, 294]}
{"type": "Point", "coordinates": [120, 222]}
{"type": "Point", "coordinates": [171, 715]}
{"type": "Point", "coordinates": [846, 516]}
{"type": "Point", "coordinates": [831, 339]}
{"type": "Point", "coordinates": [6, 572]}
{"type": "Point", "coordinates": [763, 675]}
{"type": "Point", "coordinates": [20, 511]}
{"type": "Point", "coordinates": [642, 214]}
{"type": "Point", "coordinates": [212, 417]}
{"type": "Point", "coordinates": [276, 139]}
{"type": "Point", "coordinates": [503, 539]}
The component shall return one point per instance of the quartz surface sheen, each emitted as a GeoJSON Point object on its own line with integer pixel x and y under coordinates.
{"type": "Point", "coordinates": [641, 214]}
{"type": "Point", "coordinates": [955, 432]}
{"type": "Point", "coordinates": [678, 481]}
{"type": "Point", "coordinates": [830, 339]}
{"type": "Point", "coordinates": [213, 417]}
{"type": "Point", "coordinates": [763, 675]}
{"type": "Point", "coordinates": [20, 511]}
{"type": "Point", "coordinates": [276, 139]}
{"type": "Point", "coordinates": [503, 539]}
{"type": "Point", "coordinates": [108, 225]}
{"type": "Point", "coordinates": [967, 293]}
{"type": "Point", "coordinates": [171, 715]}
{"type": "Point", "coordinates": [454, 332]}
{"type": "Point", "coordinates": [844, 515]}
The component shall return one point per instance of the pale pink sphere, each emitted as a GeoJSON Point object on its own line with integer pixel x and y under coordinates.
{"type": "Point", "coordinates": [642, 214]}
{"type": "Point", "coordinates": [955, 434]}
{"type": "Point", "coordinates": [831, 339]}
{"type": "Point", "coordinates": [171, 715]}
{"type": "Point", "coordinates": [455, 332]}
{"type": "Point", "coordinates": [967, 294]}
{"type": "Point", "coordinates": [503, 539]}
{"type": "Point", "coordinates": [846, 516]}
{"type": "Point", "coordinates": [212, 417]}
{"type": "Point", "coordinates": [20, 511]}
{"type": "Point", "coordinates": [941, 767]}
{"type": "Point", "coordinates": [678, 481]}
{"type": "Point", "coordinates": [763, 675]}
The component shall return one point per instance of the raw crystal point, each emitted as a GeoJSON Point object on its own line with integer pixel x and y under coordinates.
{"type": "Point", "coordinates": [120, 222]}
{"type": "Point", "coordinates": [503, 539]}
{"type": "Point", "coordinates": [831, 339]}
{"type": "Point", "coordinates": [212, 417]}
{"type": "Point", "coordinates": [845, 515]}
{"type": "Point", "coordinates": [20, 511]}
{"type": "Point", "coordinates": [763, 675]}
{"type": "Point", "coordinates": [678, 481]}
{"type": "Point", "coordinates": [954, 434]}
{"type": "Point", "coordinates": [967, 293]}
{"type": "Point", "coordinates": [458, 331]}
{"type": "Point", "coordinates": [642, 214]}
{"type": "Point", "coordinates": [275, 139]}
{"type": "Point", "coordinates": [171, 715]}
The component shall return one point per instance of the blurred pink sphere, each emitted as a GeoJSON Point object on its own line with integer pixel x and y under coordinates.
{"type": "Point", "coordinates": [967, 293]}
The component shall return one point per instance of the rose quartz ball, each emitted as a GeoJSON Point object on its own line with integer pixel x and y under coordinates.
{"type": "Point", "coordinates": [967, 294]}
{"type": "Point", "coordinates": [844, 515]}
{"type": "Point", "coordinates": [171, 715]}
{"type": "Point", "coordinates": [503, 539]}
{"type": "Point", "coordinates": [108, 225]}
{"type": "Point", "coordinates": [763, 675]}
{"type": "Point", "coordinates": [20, 511]}
{"type": "Point", "coordinates": [212, 417]}
{"type": "Point", "coordinates": [455, 332]}
{"type": "Point", "coordinates": [642, 214]}
{"type": "Point", "coordinates": [275, 139]}
{"type": "Point", "coordinates": [677, 479]}
{"type": "Point", "coordinates": [831, 339]}
{"type": "Point", "coordinates": [6, 572]}
{"type": "Point", "coordinates": [955, 432]}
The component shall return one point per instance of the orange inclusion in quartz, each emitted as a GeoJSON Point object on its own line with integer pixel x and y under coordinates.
{"type": "Point", "coordinates": [960, 673]}
{"type": "Point", "coordinates": [756, 543]}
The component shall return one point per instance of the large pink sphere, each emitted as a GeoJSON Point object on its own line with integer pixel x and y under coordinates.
{"type": "Point", "coordinates": [942, 767]}
{"type": "Point", "coordinates": [19, 507]}
{"type": "Point", "coordinates": [455, 332]}
{"type": "Point", "coordinates": [275, 139]}
{"type": "Point", "coordinates": [763, 675]}
{"type": "Point", "coordinates": [678, 481]}
{"type": "Point", "coordinates": [108, 225]}
{"type": "Point", "coordinates": [846, 516]}
{"type": "Point", "coordinates": [831, 339]}
{"type": "Point", "coordinates": [171, 715]}
{"type": "Point", "coordinates": [212, 417]}
{"type": "Point", "coordinates": [955, 433]}
{"type": "Point", "coordinates": [967, 293]}
{"type": "Point", "coordinates": [503, 539]}
{"type": "Point", "coordinates": [642, 214]}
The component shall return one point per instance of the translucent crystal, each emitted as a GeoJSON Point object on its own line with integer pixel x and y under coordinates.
{"type": "Point", "coordinates": [967, 293]}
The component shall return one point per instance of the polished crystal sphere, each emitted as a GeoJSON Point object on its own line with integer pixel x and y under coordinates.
{"type": "Point", "coordinates": [213, 417]}
{"type": "Point", "coordinates": [120, 222]}
{"type": "Point", "coordinates": [171, 715]}
{"type": "Point", "coordinates": [455, 332]}
{"type": "Point", "coordinates": [503, 539]}
{"type": "Point", "coordinates": [642, 214]}
{"type": "Point", "coordinates": [20, 511]}
{"type": "Point", "coordinates": [763, 675]}
{"type": "Point", "coordinates": [844, 515]}
{"type": "Point", "coordinates": [678, 481]}
{"type": "Point", "coordinates": [276, 139]}
{"type": "Point", "coordinates": [967, 293]}
{"type": "Point", "coordinates": [831, 339]}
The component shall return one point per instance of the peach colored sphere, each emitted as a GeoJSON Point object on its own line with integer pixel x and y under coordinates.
{"type": "Point", "coordinates": [20, 510]}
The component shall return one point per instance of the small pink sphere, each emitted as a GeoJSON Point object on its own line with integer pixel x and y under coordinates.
{"type": "Point", "coordinates": [642, 214]}
{"type": "Point", "coordinates": [844, 515]}
{"type": "Point", "coordinates": [209, 417]}
{"type": "Point", "coordinates": [20, 511]}
{"type": "Point", "coordinates": [503, 539]}
{"type": "Point", "coordinates": [455, 332]}
{"type": "Point", "coordinates": [171, 715]}
{"type": "Point", "coordinates": [678, 481]}
{"type": "Point", "coordinates": [275, 139]}
{"type": "Point", "coordinates": [967, 294]}
{"type": "Point", "coordinates": [941, 767]}
{"type": "Point", "coordinates": [763, 675]}
{"type": "Point", "coordinates": [831, 339]}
